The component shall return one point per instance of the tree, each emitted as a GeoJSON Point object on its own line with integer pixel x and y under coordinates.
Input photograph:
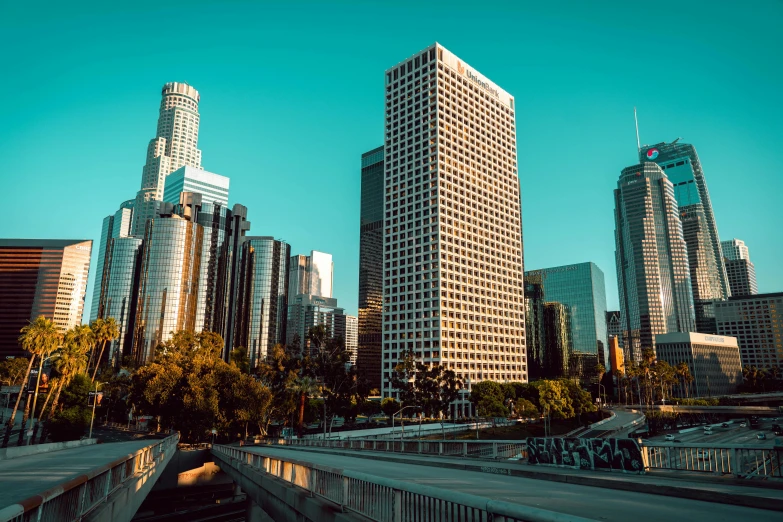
{"type": "Point", "coordinates": [488, 398]}
{"type": "Point", "coordinates": [390, 406]}
{"type": "Point", "coordinates": [240, 359]}
{"type": "Point", "coordinates": [276, 371]}
{"type": "Point", "coordinates": [302, 387]}
{"type": "Point", "coordinates": [526, 409]}
{"type": "Point", "coordinates": [13, 371]}
{"type": "Point", "coordinates": [555, 399]}
{"type": "Point", "coordinates": [105, 331]}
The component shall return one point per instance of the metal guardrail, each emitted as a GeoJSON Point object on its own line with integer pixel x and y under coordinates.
{"type": "Point", "coordinates": [413, 430]}
{"type": "Point", "coordinates": [72, 500]}
{"type": "Point", "coordinates": [387, 500]}
{"type": "Point", "coordinates": [494, 449]}
{"type": "Point", "coordinates": [742, 462]}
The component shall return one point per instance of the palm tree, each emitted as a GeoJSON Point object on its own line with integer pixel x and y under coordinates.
{"type": "Point", "coordinates": [303, 387]}
{"type": "Point", "coordinates": [105, 330]}
{"type": "Point", "coordinates": [40, 338]}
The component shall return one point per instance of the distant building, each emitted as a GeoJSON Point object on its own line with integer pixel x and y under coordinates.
{"type": "Point", "coordinates": [756, 321]}
{"type": "Point", "coordinates": [351, 336]}
{"type": "Point", "coordinates": [616, 357]}
{"type": "Point", "coordinates": [613, 325]}
{"type": "Point", "coordinates": [653, 276]}
{"type": "Point", "coordinates": [311, 274]}
{"type": "Point", "coordinates": [534, 326]}
{"type": "Point", "coordinates": [368, 360]}
{"type": "Point", "coordinates": [739, 268]}
{"type": "Point", "coordinates": [306, 311]}
{"type": "Point", "coordinates": [41, 277]}
{"type": "Point", "coordinates": [114, 226]}
{"type": "Point", "coordinates": [713, 360]}
{"type": "Point", "coordinates": [262, 299]}
{"type": "Point", "coordinates": [212, 187]}
{"type": "Point", "coordinates": [558, 344]}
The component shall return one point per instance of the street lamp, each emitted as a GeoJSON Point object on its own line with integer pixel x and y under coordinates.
{"type": "Point", "coordinates": [94, 402]}
{"type": "Point", "coordinates": [35, 400]}
{"type": "Point", "coordinates": [603, 403]}
{"type": "Point", "coordinates": [403, 425]}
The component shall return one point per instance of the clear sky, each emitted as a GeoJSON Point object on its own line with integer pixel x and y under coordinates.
{"type": "Point", "coordinates": [292, 95]}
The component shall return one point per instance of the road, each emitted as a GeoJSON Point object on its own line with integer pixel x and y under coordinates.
{"type": "Point", "coordinates": [591, 502]}
{"type": "Point", "coordinates": [24, 477]}
{"type": "Point", "coordinates": [621, 418]}
{"type": "Point", "coordinates": [732, 435]}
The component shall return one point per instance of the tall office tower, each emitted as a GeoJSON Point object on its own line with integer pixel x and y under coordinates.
{"type": "Point", "coordinates": [755, 321]}
{"type": "Point", "coordinates": [306, 311]}
{"type": "Point", "coordinates": [713, 361]}
{"type": "Point", "coordinates": [212, 187]}
{"type": "Point", "coordinates": [558, 341]}
{"type": "Point", "coordinates": [534, 326]}
{"type": "Point", "coordinates": [262, 299]}
{"type": "Point", "coordinates": [453, 276]}
{"type": "Point", "coordinates": [368, 360]}
{"type": "Point", "coordinates": [739, 268]}
{"type": "Point", "coordinates": [682, 167]}
{"type": "Point", "coordinates": [114, 226]}
{"type": "Point", "coordinates": [228, 277]}
{"type": "Point", "coordinates": [582, 289]}
{"type": "Point", "coordinates": [119, 293]}
{"type": "Point", "coordinates": [652, 259]}
{"type": "Point", "coordinates": [311, 274]}
{"type": "Point", "coordinates": [175, 145]}
{"type": "Point", "coordinates": [613, 326]}
{"type": "Point", "coordinates": [169, 276]}
{"type": "Point", "coordinates": [352, 336]}
{"type": "Point", "coordinates": [40, 277]}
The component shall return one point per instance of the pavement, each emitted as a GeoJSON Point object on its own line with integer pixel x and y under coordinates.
{"type": "Point", "coordinates": [23, 477]}
{"type": "Point", "coordinates": [410, 427]}
{"type": "Point", "coordinates": [731, 435]}
{"type": "Point", "coordinates": [587, 494]}
{"type": "Point", "coordinates": [621, 418]}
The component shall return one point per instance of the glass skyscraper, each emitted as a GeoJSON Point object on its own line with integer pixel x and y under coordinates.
{"type": "Point", "coordinates": [581, 288]}
{"type": "Point", "coordinates": [368, 359]}
{"type": "Point", "coordinates": [708, 276]}
{"type": "Point", "coordinates": [118, 293]}
{"type": "Point", "coordinates": [212, 187]}
{"type": "Point", "coordinates": [739, 268]}
{"type": "Point", "coordinates": [262, 296]}
{"type": "Point", "coordinates": [653, 277]}
{"type": "Point", "coordinates": [114, 226]}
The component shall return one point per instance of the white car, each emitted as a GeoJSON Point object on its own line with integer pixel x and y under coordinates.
{"type": "Point", "coordinates": [669, 438]}
{"type": "Point", "coordinates": [743, 425]}
{"type": "Point", "coordinates": [708, 431]}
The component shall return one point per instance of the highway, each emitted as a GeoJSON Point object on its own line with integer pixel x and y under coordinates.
{"type": "Point", "coordinates": [592, 502]}
{"type": "Point", "coordinates": [732, 435]}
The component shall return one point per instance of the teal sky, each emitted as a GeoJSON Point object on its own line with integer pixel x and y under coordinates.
{"type": "Point", "coordinates": [292, 95]}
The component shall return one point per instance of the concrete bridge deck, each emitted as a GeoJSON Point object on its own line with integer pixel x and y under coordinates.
{"type": "Point", "coordinates": [500, 481]}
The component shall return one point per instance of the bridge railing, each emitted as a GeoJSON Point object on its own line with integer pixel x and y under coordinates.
{"type": "Point", "coordinates": [746, 462]}
{"type": "Point", "coordinates": [72, 500]}
{"type": "Point", "coordinates": [495, 449]}
{"type": "Point", "coordinates": [387, 500]}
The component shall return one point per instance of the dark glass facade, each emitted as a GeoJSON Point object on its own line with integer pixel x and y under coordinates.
{"type": "Point", "coordinates": [118, 299]}
{"type": "Point", "coordinates": [262, 296]}
{"type": "Point", "coordinates": [40, 277]}
{"type": "Point", "coordinates": [368, 359]}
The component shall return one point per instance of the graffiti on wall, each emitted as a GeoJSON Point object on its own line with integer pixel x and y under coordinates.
{"type": "Point", "coordinates": [608, 454]}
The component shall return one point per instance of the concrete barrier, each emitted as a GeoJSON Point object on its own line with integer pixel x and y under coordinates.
{"type": "Point", "coordinates": [35, 449]}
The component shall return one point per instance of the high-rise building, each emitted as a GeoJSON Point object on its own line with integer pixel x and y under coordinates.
{"type": "Point", "coordinates": [41, 277]}
{"type": "Point", "coordinates": [653, 277]}
{"type": "Point", "coordinates": [558, 342]}
{"type": "Point", "coordinates": [534, 326]}
{"type": "Point", "coordinates": [713, 361]}
{"type": "Point", "coordinates": [616, 357]}
{"type": "Point", "coordinates": [582, 289]}
{"type": "Point", "coordinates": [119, 293]}
{"type": "Point", "coordinates": [306, 311]}
{"type": "Point", "coordinates": [169, 276]}
{"type": "Point", "coordinates": [351, 336]}
{"type": "Point", "coordinates": [613, 325]}
{"type": "Point", "coordinates": [739, 268]}
{"type": "Point", "coordinates": [212, 187]}
{"type": "Point", "coordinates": [453, 275]}
{"type": "Point", "coordinates": [311, 274]}
{"type": "Point", "coordinates": [114, 226]}
{"type": "Point", "coordinates": [262, 296]}
{"type": "Point", "coordinates": [175, 145]}
{"type": "Point", "coordinates": [756, 321]}
{"type": "Point", "coordinates": [369, 354]}
{"type": "Point", "coordinates": [682, 167]}
{"type": "Point", "coordinates": [228, 277]}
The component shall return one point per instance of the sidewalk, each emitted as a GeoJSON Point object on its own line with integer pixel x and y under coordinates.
{"type": "Point", "coordinates": [764, 495]}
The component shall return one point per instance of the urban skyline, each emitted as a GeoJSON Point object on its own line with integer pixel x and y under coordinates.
{"type": "Point", "coordinates": [660, 118]}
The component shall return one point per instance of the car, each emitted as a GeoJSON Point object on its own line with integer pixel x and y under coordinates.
{"type": "Point", "coordinates": [707, 430]}
{"type": "Point", "coordinates": [724, 425]}
{"type": "Point", "coordinates": [676, 440]}
{"type": "Point", "coordinates": [669, 438]}
{"type": "Point", "coordinates": [761, 436]}
{"type": "Point", "coordinates": [743, 424]}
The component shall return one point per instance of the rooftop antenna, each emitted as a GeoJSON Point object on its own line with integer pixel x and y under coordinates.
{"type": "Point", "coordinates": [635, 119]}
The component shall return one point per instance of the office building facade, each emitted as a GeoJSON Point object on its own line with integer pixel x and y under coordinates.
{"type": "Point", "coordinates": [582, 289]}
{"type": "Point", "coordinates": [756, 321]}
{"type": "Point", "coordinates": [369, 353]}
{"type": "Point", "coordinates": [114, 226]}
{"type": "Point", "coordinates": [313, 274]}
{"type": "Point", "coordinates": [653, 275]}
{"type": "Point", "coordinates": [119, 293]}
{"type": "Point", "coordinates": [739, 268]}
{"type": "Point", "coordinates": [212, 187]}
{"type": "Point", "coordinates": [306, 311]}
{"type": "Point", "coordinates": [262, 294]}
{"type": "Point", "coordinates": [41, 277]}
{"type": "Point", "coordinates": [713, 361]}
{"type": "Point", "coordinates": [534, 326]}
{"type": "Point", "coordinates": [453, 274]}
{"type": "Point", "coordinates": [351, 337]}
{"type": "Point", "coordinates": [175, 145]}
{"type": "Point", "coordinates": [682, 167]}
{"type": "Point", "coordinates": [558, 341]}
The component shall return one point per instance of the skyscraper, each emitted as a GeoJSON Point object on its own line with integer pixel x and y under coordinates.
{"type": "Point", "coordinates": [755, 321]}
{"type": "Point", "coordinates": [653, 278]}
{"type": "Point", "coordinates": [453, 276]}
{"type": "Point", "coordinates": [306, 311]}
{"type": "Point", "coordinates": [175, 145]}
{"type": "Point", "coordinates": [739, 268]}
{"type": "Point", "coordinates": [534, 326]}
{"type": "Point", "coordinates": [311, 274]}
{"type": "Point", "coordinates": [682, 167]}
{"type": "Point", "coordinates": [114, 226]}
{"type": "Point", "coordinates": [613, 325]}
{"type": "Point", "coordinates": [262, 298]}
{"type": "Point", "coordinates": [41, 277]}
{"type": "Point", "coordinates": [212, 187]}
{"type": "Point", "coordinates": [368, 359]}
{"type": "Point", "coordinates": [351, 336]}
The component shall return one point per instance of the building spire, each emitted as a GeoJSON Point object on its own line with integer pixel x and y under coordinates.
{"type": "Point", "coordinates": [635, 119]}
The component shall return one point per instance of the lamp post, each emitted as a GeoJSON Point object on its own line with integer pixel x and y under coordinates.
{"type": "Point", "coordinates": [603, 402]}
{"type": "Point", "coordinates": [94, 403]}
{"type": "Point", "coordinates": [35, 399]}
{"type": "Point", "coordinates": [403, 425]}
